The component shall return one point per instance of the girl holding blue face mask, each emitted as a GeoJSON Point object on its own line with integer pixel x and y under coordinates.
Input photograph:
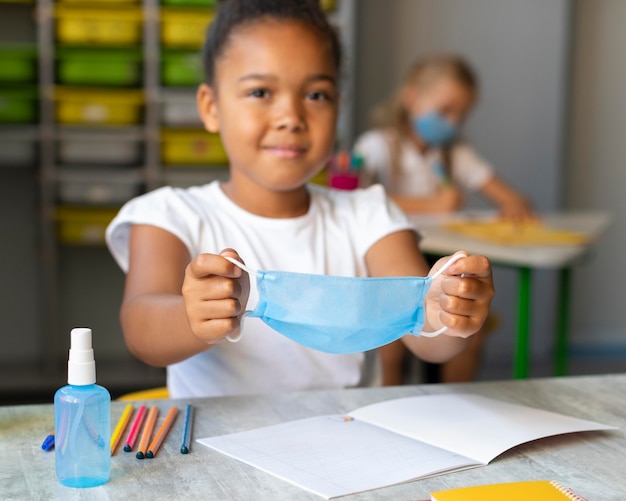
{"type": "Point", "coordinates": [264, 283]}
{"type": "Point", "coordinates": [417, 153]}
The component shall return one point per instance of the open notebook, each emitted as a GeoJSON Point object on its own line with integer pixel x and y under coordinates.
{"type": "Point", "coordinates": [393, 441]}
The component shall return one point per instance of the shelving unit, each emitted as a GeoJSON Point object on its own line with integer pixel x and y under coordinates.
{"type": "Point", "coordinates": [92, 146]}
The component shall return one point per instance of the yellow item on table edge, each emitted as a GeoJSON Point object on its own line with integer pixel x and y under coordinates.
{"type": "Point", "coordinates": [508, 232]}
{"type": "Point", "coordinates": [530, 490]}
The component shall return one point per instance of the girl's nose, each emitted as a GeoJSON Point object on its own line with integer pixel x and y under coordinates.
{"type": "Point", "coordinates": [290, 115]}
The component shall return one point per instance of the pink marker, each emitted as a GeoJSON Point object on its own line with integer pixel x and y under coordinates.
{"type": "Point", "coordinates": [134, 429]}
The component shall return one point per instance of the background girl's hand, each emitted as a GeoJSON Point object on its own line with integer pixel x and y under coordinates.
{"type": "Point", "coordinates": [517, 209]}
{"type": "Point", "coordinates": [215, 293]}
{"type": "Point", "coordinates": [448, 199]}
{"type": "Point", "coordinates": [460, 297]}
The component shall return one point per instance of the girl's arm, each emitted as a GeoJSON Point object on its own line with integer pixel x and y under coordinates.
{"type": "Point", "coordinates": [446, 199]}
{"type": "Point", "coordinates": [511, 203]}
{"type": "Point", "coordinates": [460, 303]}
{"type": "Point", "coordinates": [173, 307]}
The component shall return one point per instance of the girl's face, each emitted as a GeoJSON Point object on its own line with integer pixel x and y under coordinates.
{"type": "Point", "coordinates": [274, 103]}
{"type": "Point", "coordinates": [446, 96]}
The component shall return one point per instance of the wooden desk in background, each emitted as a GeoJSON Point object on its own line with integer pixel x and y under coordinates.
{"type": "Point", "coordinates": [591, 463]}
{"type": "Point", "coordinates": [439, 241]}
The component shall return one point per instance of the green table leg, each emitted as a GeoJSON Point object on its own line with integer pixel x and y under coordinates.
{"type": "Point", "coordinates": [560, 349]}
{"type": "Point", "coordinates": [523, 323]}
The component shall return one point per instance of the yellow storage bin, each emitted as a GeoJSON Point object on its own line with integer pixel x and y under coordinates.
{"type": "Point", "coordinates": [98, 26]}
{"type": "Point", "coordinates": [184, 28]}
{"type": "Point", "coordinates": [192, 147]}
{"type": "Point", "coordinates": [83, 226]}
{"type": "Point", "coordinates": [98, 106]}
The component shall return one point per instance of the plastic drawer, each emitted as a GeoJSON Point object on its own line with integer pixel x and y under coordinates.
{"type": "Point", "coordinates": [181, 68]}
{"type": "Point", "coordinates": [98, 106]}
{"type": "Point", "coordinates": [98, 26]}
{"type": "Point", "coordinates": [197, 147]}
{"type": "Point", "coordinates": [87, 152]}
{"type": "Point", "coordinates": [18, 106]}
{"type": "Point", "coordinates": [104, 187]}
{"type": "Point", "coordinates": [180, 109]}
{"type": "Point", "coordinates": [84, 225]}
{"type": "Point", "coordinates": [17, 152]}
{"type": "Point", "coordinates": [184, 28]}
{"type": "Point", "coordinates": [19, 64]}
{"type": "Point", "coordinates": [99, 66]}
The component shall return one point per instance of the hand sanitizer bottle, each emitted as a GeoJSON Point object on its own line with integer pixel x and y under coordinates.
{"type": "Point", "coordinates": [82, 420]}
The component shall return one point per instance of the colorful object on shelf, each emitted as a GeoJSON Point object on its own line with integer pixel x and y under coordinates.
{"type": "Point", "coordinates": [192, 147]}
{"type": "Point", "coordinates": [98, 106]}
{"type": "Point", "coordinates": [97, 66]}
{"type": "Point", "coordinates": [83, 226]}
{"type": "Point", "coordinates": [328, 5]}
{"type": "Point", "coordinates": [18, 105]}
{"type": "Point", "coordinates": [98, 26]}
{"type": "Point", "coordinates": [343, 171]}
{"type": "Point", "coordinates": [184, 27]}
{"type": "Point", "coordinates": [181, 68]}
{"type": "Point", "coordinates": [19, 63]}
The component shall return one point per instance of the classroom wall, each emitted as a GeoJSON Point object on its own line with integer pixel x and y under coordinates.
{"type": "Point", "coordinates": [596, 176]}
{"type": "Point", "coordinates": [520, 51]}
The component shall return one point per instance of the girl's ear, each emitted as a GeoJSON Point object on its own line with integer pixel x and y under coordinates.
{"type": "Point", "coordinates": [207, 108]}
{"type": "Point", "coordinates": [408, 96]}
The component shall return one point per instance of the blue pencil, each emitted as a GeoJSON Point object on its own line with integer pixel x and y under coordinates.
{"type": "Point", "coordinates": [184, 447]}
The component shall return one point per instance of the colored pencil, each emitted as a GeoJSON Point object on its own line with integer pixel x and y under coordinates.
{"type": "Point", "coordinates": [162, 433]}
{"type": "Point", "coordinates": [121, 426]}
{"type": "Point", "coordinates": [184, 447]}
{"type": "Point", "coordinates": [148, 428]}
{"type": "Point", "coordinates": [48, 442]}
{"type": "Point", "coordinates": [134, 429]}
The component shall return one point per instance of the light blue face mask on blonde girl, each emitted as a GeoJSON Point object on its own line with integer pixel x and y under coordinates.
{"type": "Point", "coordinates": [341, 314]}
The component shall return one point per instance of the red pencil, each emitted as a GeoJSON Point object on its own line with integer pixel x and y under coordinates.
{"type": "Point", "coordinates": [134, 429]}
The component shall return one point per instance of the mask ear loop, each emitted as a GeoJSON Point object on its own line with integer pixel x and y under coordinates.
{"type": "Point", "coordinates": [448, 263]}
{"type": "Point", "coordinates": [249, 271]}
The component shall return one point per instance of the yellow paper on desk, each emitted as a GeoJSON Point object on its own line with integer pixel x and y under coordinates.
{"type": "Point", "coordinates": [508, 232]}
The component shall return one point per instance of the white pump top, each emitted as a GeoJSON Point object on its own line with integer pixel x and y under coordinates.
{"type": "Point", "coordinates": [81, 366]}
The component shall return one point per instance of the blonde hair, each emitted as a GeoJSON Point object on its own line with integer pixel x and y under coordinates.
{"type": "Point", "coordinates": [426, 72]}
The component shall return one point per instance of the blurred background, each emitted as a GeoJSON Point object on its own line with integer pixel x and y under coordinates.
{"type": "Point", "coordinates": [97, 106]}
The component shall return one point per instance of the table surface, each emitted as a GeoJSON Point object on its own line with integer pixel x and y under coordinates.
{"type": "Point", "coordinates": [437, 240]}
{"type": "Point", "coordinates": [592, 463]}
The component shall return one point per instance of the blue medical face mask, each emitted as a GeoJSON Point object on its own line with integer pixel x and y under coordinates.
{"type": "Point", "coordinates": [434, 129]}
{"type": "Point", "coordinates": [341, 314]}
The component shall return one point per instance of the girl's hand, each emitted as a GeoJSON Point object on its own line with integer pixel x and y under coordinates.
{"type": "Point", "coordinates": [215, 293]}
{"type": "Point", "coordinates": [517, 209]}
{"type": "Point", "coordinates": [447, 199]}
{"type": "Point", "coordinates": [460, 297]}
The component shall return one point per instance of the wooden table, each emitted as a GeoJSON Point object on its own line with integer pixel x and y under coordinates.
{"type": "Point", "coordinates": [438, 241]}
{"type": "Point", "coordinates": [592, 463]}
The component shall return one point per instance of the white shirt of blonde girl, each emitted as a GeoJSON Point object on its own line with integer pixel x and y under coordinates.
{"type": "Point", "coordinates": [418, 174]}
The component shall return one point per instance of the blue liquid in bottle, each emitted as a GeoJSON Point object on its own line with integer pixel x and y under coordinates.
{"type": "Point", "coordinates": [82, 421]}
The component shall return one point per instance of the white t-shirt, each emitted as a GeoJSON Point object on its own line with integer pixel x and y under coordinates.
{"type": "Point", "coordinates": [417, 176]}
{"type": "Point", "coordinates": [332, 239]}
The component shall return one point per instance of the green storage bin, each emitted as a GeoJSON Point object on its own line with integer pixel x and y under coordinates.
{"type": "Point", "coordinates": [18, 63]}
{"type": "Point", "coordinates": [120, 67]}
{"type": "Point", "coordinates": [189, 3]}
{"type": "Point", "coordinates": [181, 68]}
{"type": "Point", "coordinates": [18, 106]}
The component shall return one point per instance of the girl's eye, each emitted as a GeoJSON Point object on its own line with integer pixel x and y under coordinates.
{"type": "Point", "coordinates": [319, 96]}
{"type": "Point", "coordinates": [260, 93]}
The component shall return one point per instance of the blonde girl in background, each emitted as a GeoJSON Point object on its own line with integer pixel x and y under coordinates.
{"type": "Point", "coordinates": [417, 154]}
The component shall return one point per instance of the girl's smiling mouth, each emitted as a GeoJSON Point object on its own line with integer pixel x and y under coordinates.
{"type": "Point", "coordinates": [286, 150]}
